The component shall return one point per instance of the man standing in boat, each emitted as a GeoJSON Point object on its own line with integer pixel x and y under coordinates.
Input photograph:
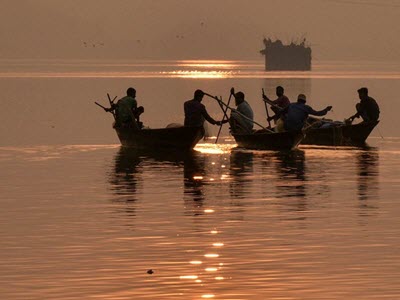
{"type": "Point", "coordinates": [297, 113]}
{"type": "Point", "coordinates": [241, 119]}
{"type": "Point", "coordinates": [277, 105]}
{"type": "Point", "coordinates": [196, 113]}
{"type": "Point", "coordinates": [367, 109]}
{"type": "Point", "coordinates": [127, 112]}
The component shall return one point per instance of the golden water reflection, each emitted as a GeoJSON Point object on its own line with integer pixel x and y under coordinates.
{"type": "Point", "coordinates": [287, 196]}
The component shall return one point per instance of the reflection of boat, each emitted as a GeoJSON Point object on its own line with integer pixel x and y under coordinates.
{"type": "Point", "coordinates": [339, 134]}
{"type": "Point", "coordinates": [183, 138]}
{"type": "Point", "coordinates": [292, 181]}
{"type": "Point", "coordinates": [368, 171]}
{"type": "Point", "coordinates": [265, 140]}
{"type": "Point", "coordinates": [124, 176]}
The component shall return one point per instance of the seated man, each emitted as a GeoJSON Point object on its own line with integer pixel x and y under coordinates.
{"type": "Point", "coordinates": [241, 119]}
{"type": "Point", "coordinates": [277, 105]}
{"type": "Point", "coordinates": [127, 112]}
{"type": "Point", "coordinates": [367, 109]}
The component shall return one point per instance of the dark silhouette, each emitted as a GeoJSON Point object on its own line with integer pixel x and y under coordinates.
{"type": "Point", "coordinates": [196, 113]}
{"type": "Point", "coordinates": [297, 113]}
{"type": "Point", "coordinates": [279, 104]}
{"type": "Point", "coordinates": [127, 113]}
{"type": "Point", "coordinates": [286, 57]}
{"type": "Point", "coordinates": [367, 109]}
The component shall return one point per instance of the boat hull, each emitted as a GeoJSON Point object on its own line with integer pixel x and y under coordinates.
{"type": "Point", "coordinates": [343, 135]}
{"type": "Point", "coordinates": [181, 138]}
{"type": "Point", "coordinates": [269, 141]}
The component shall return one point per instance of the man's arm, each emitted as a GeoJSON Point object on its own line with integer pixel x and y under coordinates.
{"type": "Point", "coordinates": [318, 113]}
{"type": "Point", "coordinates": [208, 117]}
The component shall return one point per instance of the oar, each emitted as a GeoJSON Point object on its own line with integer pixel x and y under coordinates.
{"type": "Point", "coordinates": [224, 110]}
{"type": "Point", "coordinates": [272, 104]}
{"type": "Point", "coordinates": [111, 104]}
{"type": "Point", "coordinates": [240, 114]}
{"type": "Point", "coordinates": [266, 109]}
{"type": "Point", "coordinates": [105, 108]}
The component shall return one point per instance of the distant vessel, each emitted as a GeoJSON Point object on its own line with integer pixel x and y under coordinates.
{"type": "Point", "coordinates": [286, 57]}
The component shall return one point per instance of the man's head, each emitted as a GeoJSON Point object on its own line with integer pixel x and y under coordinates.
{"type": "Point", "coordinates": [131, 92]}
{"type": "Point", "coordinates": [301, 98]}
{"type": "Point", "coordinates": [279, 91]}
{"type": "Point", "coordinates": [198, 95]}
{"type": "Point", "coordinates": [363, 93]}
{"type": "Point", "coordinates": [239, 98]}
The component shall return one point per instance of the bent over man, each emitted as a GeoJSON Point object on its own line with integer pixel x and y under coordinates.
{"type": "Point", "coordinates": [196, 113]}
{"type": "Point", "coordinates": [297, 113]}
{"type": "Point", "coordinates": [367, 109]}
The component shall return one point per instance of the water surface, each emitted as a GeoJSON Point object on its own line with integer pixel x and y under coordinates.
{"type": "Point", "coordinates": [83, 218]}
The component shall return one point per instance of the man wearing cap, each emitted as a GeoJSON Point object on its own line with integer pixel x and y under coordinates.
{"type": "Point", "coordinates": [297, 113]}
{"type": "Point", "coordinates": [241, 119]}
{"type": "Point", "coordinates": [367, 109]}
{"type": "Point", "coordinates": [196, 113]}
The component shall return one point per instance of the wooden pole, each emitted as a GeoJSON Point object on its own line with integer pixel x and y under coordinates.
{"type": "Point", "coordinates": [266, 108]}
{"type": "Point", "coordinates": [225, 115]}
{"type": "Point", "coordinates": [111, 105]}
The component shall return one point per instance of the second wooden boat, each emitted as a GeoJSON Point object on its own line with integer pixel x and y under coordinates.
{"type": "Point", "coordinates": [339, 134]}
{"type": "Point", "coordinates": [266, 140]}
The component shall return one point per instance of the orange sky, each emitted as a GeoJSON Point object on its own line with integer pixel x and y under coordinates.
{"type": "Point", "coordinates": [206, 29]}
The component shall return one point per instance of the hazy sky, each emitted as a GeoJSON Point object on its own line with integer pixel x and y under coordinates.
{"type": "Point", "coordinates": [191, 29]}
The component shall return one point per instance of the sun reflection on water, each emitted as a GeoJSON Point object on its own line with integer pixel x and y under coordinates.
{"type": "Point", "coordinates": [211, 255]}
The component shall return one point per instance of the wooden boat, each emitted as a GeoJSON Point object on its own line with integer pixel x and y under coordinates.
{"type": "Point", "coordinates": [179, 138]}
{"type": "Point", "coordinates": [340, 134]}
{"type": "Point", "coordinates": [266, 140]}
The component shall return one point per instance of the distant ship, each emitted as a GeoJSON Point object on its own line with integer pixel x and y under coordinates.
{"type": "Point", "coordinates": [292, 57]}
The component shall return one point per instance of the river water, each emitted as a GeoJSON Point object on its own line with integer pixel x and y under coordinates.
{"type": "Point", "coordinates": [83, 218]}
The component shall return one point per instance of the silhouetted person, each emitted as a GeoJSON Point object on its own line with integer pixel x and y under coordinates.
{"type": "Point", "coordinates": [127, 112]}
{"type": "Point", "coordinates": [297, 113]}
{"type": "Point", "coordinates": [367, 109]}
{"type": "Point", "coordinates": [241, 119]}
{"type": "Point", "coordinates": [281, 103]}
{"type": "Point", "coordinates": [196, 113]}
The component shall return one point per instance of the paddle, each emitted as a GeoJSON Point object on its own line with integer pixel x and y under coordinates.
{"type": "Point", "coordinates": [111, 104]}
{"type": "Point", "coordinates": [242, 115]}
{"type": "Point", "coordinates": [232, 91]}
{"type": "Point", "coordinates": [105, 108]}
{"type": "Point", "coordinates": [266, 108]}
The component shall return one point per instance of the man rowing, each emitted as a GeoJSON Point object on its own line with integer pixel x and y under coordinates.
{"type": "Point", "coordinates": [277, 105]}
{"type": "Point", "coordinates": [196, 113]}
